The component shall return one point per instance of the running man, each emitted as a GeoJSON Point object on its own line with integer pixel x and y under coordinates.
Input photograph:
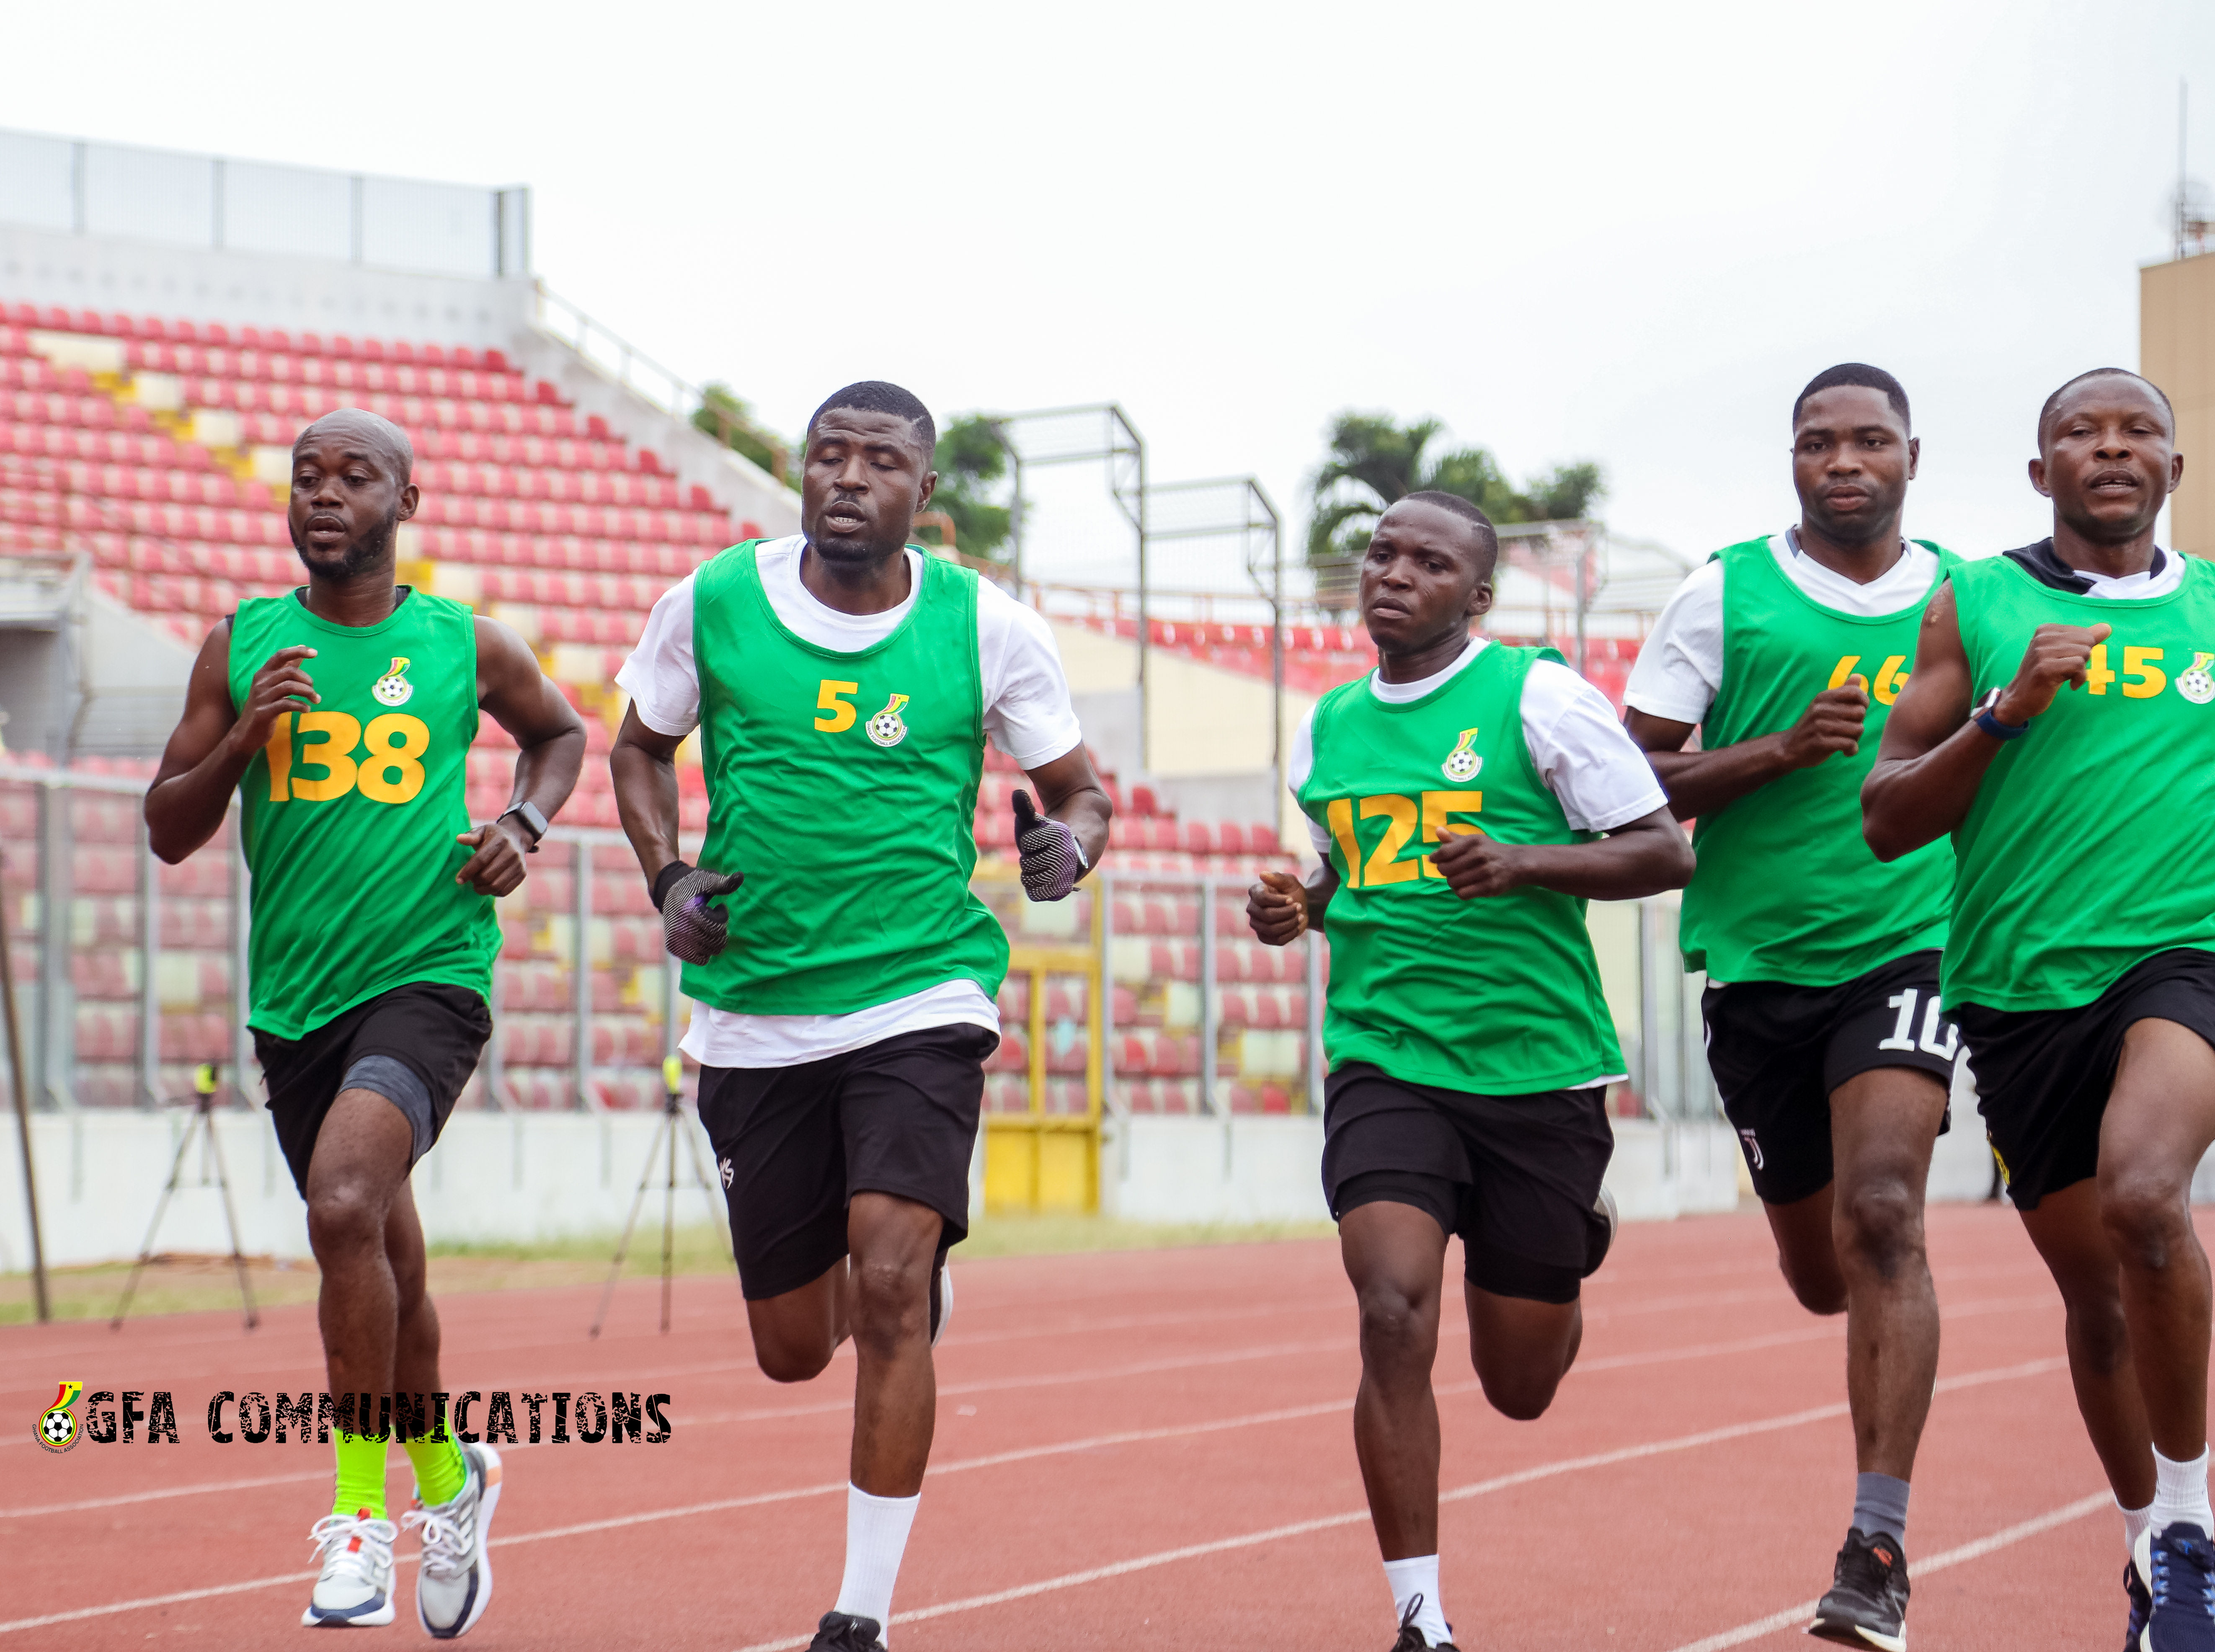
{"type": "Point", "coordinates": [1788, 652]}
{"type": "Point", "coordinates": [1457, 797]}
{"type": "Point", "coordinates": [843, 684]}
{"type": "Point", "coordinates": [342, 716]}
{"type": "Point", "coordinates": [2056, 722]}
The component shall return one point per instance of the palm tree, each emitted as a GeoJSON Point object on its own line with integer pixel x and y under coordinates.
{"type": "Point", "coordinates": [1373, 461]}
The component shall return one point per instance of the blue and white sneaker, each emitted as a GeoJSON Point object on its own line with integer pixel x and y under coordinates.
{"type": "Point", "coordinates": [2178, 1563]}
{"type": "Point", "coordinates": [354, 1590]}
{"type": "Point", "coordinates": [2141, 1600]}
{"type": "Point", "coordinates": [453, 1585]}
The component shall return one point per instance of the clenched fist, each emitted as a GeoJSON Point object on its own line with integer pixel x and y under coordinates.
{"type": "Point", "coordinates": [2057, 654]}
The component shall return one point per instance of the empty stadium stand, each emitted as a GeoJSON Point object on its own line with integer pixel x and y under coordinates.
{"type": "Point", "coordinates": [158, 448]}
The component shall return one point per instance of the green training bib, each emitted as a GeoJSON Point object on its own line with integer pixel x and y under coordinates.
{"type": "Point", "coordinates": [844, 787]}
{"type": "Point", "coordinates": [1787, 889]}
{"type": "Point", "coordinates": [352, 808]}
{"type": "Point", "coordinates": [2082, 855]}
{"type": "Point", "coordinates": [1499, 996]}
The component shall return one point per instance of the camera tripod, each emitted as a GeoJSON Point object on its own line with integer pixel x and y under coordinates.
{"type": "Point", "coordinates": [202, 1124]}
{"type": "Point", "coordinates": [668, 1131]}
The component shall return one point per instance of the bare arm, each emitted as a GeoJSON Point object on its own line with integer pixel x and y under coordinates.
{"type": "Point", "coordinates": [644, 766]}
{"type": "Point", "coordinates": [551, 739]}
{"type": "Point", "coordinates": [1933, 758]}
{"type": "Point", "coordinates": [213, 742]}
{"type": "Point", "coordinates": [1070, 791]}
{"type": "Point", "coordinates": [1700, 782]}
{"type": "Point", "coordinates": [1639, 858]}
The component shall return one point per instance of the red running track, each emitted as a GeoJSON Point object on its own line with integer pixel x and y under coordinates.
{"type": "Point", "coordinates": [1134, 1449]}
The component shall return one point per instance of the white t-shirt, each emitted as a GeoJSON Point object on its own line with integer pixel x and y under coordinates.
{"type": "Point", "coordinates": [1027, 715]}
{"type": "Point", "coordinates": [1594, 769]}
{"type": "Point", "coordinates": [1680, 665]}
{"type": "Point", "coordinates": [2157, 581]}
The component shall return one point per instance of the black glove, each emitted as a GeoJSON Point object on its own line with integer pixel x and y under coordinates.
{"type": "Point", "coordinates": [693, 931]}
{"type": "Point", "coordinates": [1052, 858]}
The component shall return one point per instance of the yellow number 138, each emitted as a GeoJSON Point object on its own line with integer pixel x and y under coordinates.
{"type": "Point", "coordinates": [390, 769]}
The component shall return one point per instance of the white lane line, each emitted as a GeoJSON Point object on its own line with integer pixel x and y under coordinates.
{"type": "Point", "coordinates": [1460, 1494]}
{"type": "Point", "coordinates": [204, 1487]}
{"type": "Point", "coordinates": [1796, 1616]}
{"type": "Point", "coordinates": [1543, 1471]}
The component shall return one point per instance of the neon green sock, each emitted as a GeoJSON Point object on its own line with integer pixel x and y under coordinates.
{"type": "Point", "coordinates": [361, 1475]}
{"type": "Point", "coordinates": [441, 1472]}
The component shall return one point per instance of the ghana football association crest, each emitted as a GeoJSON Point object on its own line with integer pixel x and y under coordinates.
{"type": "Point", "coordinates": [393, 688]}
{"type": "Point", "coordinates": [58, 1429]}
{"type": "Point", "coordinates": [887, 727]}
{"type": "Point", "coordinates": [2196, 684]}
{"type": "Point", "coordinates": [1461, 763]}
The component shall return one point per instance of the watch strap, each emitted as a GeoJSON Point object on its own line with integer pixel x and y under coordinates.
{"type": "Point", "coordinates": [1987, 718]}
{"type": "Point", "coordinates": [533, 821]}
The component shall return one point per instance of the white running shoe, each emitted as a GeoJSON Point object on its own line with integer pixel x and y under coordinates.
{"type": "Point", "coordinates": [454, 1583]}
{"type": "Point", "coordinates": [942, 1301]}
{"type": "Point", "coordinates": [355, 1589]}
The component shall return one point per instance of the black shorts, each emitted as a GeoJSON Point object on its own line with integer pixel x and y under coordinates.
{"type": "Point", "coordinates": [794, 1144]}
{"type": "Point", "coordinates": [1517, 1176]}
{"type": "Point", "coordinates": [2043, 1075]}
{"type": "Point", "coordinates": [1779, 1050]}
{"type": "Point", "coordinates": [435, 1032]}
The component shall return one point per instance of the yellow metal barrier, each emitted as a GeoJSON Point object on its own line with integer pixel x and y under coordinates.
{"type": "Point", "coordinates": [1038, 1161]}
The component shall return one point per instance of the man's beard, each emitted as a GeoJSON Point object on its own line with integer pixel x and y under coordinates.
{"type": "Point", "coordinates": [362, 554]}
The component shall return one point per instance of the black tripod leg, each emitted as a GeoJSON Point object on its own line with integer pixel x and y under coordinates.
{"type": "Point", "coordinates": [230, 1216]}
{"type": "Point", "coordinates": [146, 1250]}
{"type": "Point", "coordinates": [623, 1249]}
{"type": "Point", "coordinates": [668, 1214]}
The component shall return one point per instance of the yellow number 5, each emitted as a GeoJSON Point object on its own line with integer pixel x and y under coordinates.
{"type": "Point", "coordinates": [826, 699]}
{"type": "Point", "coordinates": [2138, 663]}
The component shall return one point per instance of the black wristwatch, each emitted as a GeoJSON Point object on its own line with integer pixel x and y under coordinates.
{"type": "Point", "coordinates": [1987, 717]}
{"type": "Point", "coordinates": [533, 821]}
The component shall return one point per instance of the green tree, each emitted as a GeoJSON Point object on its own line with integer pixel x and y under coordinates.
{"type": "Point", "coordinates": [726, 416]}
{"type": "Point", "coordinates": [1373, 461]}
{"type": "Point", "coordinates": [969, 460]}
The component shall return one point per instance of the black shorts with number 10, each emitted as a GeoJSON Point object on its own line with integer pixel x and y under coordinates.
{"type": "Point", "coordinates": [1778, 1051]}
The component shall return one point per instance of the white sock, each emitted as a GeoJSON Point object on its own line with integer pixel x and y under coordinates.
{"type": "Point", "coordinates": [2180, 1492]}
{"type": "Point", "coordinates": [1414, 1581]}
{"type": "Point", "coordinates": [876, 1538]}
{"type": "Point", "coordinates": [2135, 1521]}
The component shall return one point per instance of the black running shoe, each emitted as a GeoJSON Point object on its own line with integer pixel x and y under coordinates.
{"type": "Point", "coordinates": [839, 1633]}
{"type": "Point", "coordinates": [1411, 1638]}
{"type": "Point", "coordinates": [1868, 1602]}
{"type": "Point", "coordinates": [2179, 1564]}
{"type": "Point", "coordinates": [2141, 1605]}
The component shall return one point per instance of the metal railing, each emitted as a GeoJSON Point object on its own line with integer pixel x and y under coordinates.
{"type": "Point", "coordinates": [207, 201]}
{"type": "Point", "coordinates": [1181, 997]}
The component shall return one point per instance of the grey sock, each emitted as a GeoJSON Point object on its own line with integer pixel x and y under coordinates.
{"type": "Point", "coordinates": [1881, 1504]}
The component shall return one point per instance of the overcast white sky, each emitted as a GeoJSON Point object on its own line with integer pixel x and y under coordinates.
{"type": "Point", "coordinates": [1623, 232]}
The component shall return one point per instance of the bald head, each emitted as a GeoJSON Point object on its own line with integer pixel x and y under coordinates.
{"type": "Point", "coordinates": [351, 491]}
{"type": "Point", "coordinates": [372, 431]}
